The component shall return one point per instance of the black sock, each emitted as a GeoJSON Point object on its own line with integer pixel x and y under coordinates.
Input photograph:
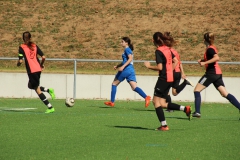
{"type": "Point", "coordinates": [181, 87]}
{"type": "Point", "coordinates": [168, 99]}
{"type": "Point", "coordinates": [160, 114]}
{"type": "Point", "coordinates": [43, 89]}
{"type": "Point", "coordinates": [173, 106]}
{"type": "Point", "coordinates": [45, 100]}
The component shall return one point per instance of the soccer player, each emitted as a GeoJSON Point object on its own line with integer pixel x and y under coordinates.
{"type": "Point", "coordinates": [34, 67]}
{"type": "Point", "coordinates": [126, 71]}
{"type": "Point", "coordinates": [166, 63]}
{"type": "Point", "coordinates": [213, 75]}
{"type": "Point", "coordinates": [178, 72]}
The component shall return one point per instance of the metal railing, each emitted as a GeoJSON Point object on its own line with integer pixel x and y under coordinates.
{"type": "Point", "coordinates": [103, 60]}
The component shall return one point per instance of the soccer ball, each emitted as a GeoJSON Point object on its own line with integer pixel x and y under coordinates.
{"type": "Point", "coordinates": [69, 102]}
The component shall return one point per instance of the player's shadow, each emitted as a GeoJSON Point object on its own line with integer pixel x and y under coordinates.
{"type": "Point", "coordinates": [104, 107]}
{"type": "Point", "coordinates": [181, 118]}
{"type": "Point", "coordinates": [98, 106]}
{"type": "Point", "coordinates": [132, 127]}
{"type": "Point", "coordinates": [216, 119]}
{"type": "Point", "coordinates": [145, 110]}
{"type": "Point", "coordinates": [166, 115]}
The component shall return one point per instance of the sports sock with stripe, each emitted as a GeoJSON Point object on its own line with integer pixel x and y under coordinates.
{"type": "Point", "coordinates": [45, 100]}
{"type": "Point", "coordinates": [43, 89]}
{"type": "Point", "coordinates": [173, 106]}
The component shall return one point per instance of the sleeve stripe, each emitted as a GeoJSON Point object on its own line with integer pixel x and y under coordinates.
{"type": "Point", "coordinates": [20, 55]}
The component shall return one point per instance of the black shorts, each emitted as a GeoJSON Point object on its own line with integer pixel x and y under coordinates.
{"type": "Point", "coordinates": [34, 79]}
{"type": "Point", "coordinates": [162, 88]}
{"type": "Point", "coordinates": [177, 78]}
{"type": "Point", "coordinates": [215, 79]}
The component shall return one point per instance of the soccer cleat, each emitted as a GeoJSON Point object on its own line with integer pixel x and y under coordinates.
{"type": "Point", "coordinates": [111, 104]}
{"type": "Point", "coordinates": [147, 101]}
{"type": "Point", "coordinates": [162, 128]}
{"type": "Point", "coordinates": [189, 82]}
{"type": "Point", "coordinates": [195, 114]}
{"type": "Point", "coordinates": [187, 110]}
{"type": "Point", "coordinates": [51, 92]}
{"type": "Point", "coordinates": [169, 110]}
{"type": "Point", "coordinates": [50, 110]}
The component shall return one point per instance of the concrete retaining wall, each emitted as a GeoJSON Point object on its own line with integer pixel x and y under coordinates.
{"type": "Point", "coordinates": [14, 85]}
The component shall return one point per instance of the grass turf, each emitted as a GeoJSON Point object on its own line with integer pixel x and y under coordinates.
{"type": "Point", "coordinates": [90, 130]}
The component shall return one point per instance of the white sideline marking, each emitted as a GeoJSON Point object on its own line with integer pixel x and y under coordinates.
{"type": "Point", "coordinates": [16, 109]}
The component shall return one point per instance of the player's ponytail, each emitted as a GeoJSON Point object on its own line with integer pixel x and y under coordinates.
{"type": "Point", "coordinates": [168, 39]}
{"type": "Point", "coordinates": [130, 45]}
{"type": "Point", "coordinates": [27, 39]}
{"type": "Point", "coordinates": [209, 37]}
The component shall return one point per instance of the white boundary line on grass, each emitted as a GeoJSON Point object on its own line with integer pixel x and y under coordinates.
{"type": "Point", "coordinates": [15, 109]}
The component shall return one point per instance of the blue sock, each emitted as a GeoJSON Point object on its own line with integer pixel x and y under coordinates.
{"type": "Point", "coordinates": [113, 93]}
{"type": "Point", "coordinates": [197, 101]}
{"type": "Point", "coordinates": [233, 100]}
{"type": "Point", "coordinates": [140, 92]}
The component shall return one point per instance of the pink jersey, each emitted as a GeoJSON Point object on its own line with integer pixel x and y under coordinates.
{"type": "Point", "coordinates": [31, 58]}
{"type": "Point", "coordinates": [177, 68]}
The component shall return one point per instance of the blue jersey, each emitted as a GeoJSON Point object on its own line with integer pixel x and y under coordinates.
{"type": "Point", "coordinates": [128, 72]}
{"type": "Point", "coordinates": [125, 54]}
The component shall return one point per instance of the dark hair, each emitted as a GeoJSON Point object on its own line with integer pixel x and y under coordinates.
{"type": "Point", "coordinates": [127, 39]}
{"type": "Point", "coordinates": [27, 39]}
{"type": "Point", "coordinates": [169, 41]}
{"type": "Point", "coordinates": [209, 37]}
{"type": "Point", "coordinates": [158, 38]}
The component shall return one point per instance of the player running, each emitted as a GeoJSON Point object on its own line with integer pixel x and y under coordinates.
{"type": "Point", "coordinates": [166, 62]}
{"type": "Point", "coordinates": [34, 67]}
{"type": "Point", "coordinates": [126, 71]}
{"type": "Point", "coordinates": [213, 75]}
{"type": "Point", "coordinates": [178, 72]}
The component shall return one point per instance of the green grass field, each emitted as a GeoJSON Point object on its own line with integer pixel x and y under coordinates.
{"type": "Point", "coordinates": [90, 130]}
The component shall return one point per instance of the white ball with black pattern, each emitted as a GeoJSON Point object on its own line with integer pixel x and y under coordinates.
{"type": "Point", "coordinates": [69, 102]}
